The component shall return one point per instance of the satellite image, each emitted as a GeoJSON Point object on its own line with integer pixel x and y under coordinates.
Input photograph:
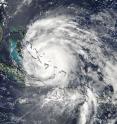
{"type": "Point", "coordinates": [58, 62]}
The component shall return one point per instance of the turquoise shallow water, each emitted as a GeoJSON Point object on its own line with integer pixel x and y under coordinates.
{"type": "Point", "coordinates": [14, 52]}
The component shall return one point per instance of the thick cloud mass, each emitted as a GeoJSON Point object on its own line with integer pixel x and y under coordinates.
{"type": "Point", "coordinates": [50, 58]}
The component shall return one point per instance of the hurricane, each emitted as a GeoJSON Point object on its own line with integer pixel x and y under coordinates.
{"type": "Point", "coordinates": [67, 62]}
